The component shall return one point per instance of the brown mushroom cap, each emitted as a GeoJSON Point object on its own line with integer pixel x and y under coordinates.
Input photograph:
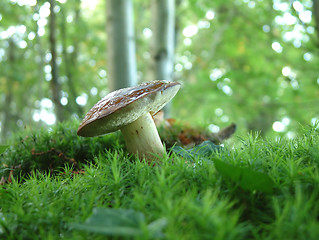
{"type": "Point", "coordinates": [126, 105]}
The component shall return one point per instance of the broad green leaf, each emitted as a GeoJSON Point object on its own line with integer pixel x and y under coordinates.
{"type": "Point", "coordinates": [3, 148]}
{"type": "Point", "coordinates": [246, 178]}
{"type": "Point", "coordinates": [115, 222]}
{"type": "Point", "coordinates": [108, 230]}
{"type": "Point", "coordinates": [120, 222]}
{"type": "Point", "coordinates": [156, 227]}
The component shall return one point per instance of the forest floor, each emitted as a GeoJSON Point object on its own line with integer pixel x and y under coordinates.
{"type": "Point", "coordinates": [55, 185]}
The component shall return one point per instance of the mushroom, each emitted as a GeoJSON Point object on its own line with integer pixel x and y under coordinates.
{"type": "Point", "coordinates": [130, 110]}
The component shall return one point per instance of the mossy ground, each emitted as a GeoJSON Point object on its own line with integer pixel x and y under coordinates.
{"type": "Point", "coordinates": [57, 179]}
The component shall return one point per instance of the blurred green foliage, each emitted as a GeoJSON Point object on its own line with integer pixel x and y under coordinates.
{"type": "Point", "coordinates": [249, 62]}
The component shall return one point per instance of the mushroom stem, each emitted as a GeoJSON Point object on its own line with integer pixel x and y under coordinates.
{"type": "Point", "coordinates": [142, 139]}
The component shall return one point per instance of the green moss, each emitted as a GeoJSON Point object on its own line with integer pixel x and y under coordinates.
{"type": "Point", "coordinates": [196, 200]}
{"type": "Point", "coordinates": [51, 150]}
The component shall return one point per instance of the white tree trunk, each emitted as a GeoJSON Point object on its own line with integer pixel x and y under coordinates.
{"type": "Point", "coordinates": [121, 44]}
{"type": "Point", "coordinates": [163, 41]}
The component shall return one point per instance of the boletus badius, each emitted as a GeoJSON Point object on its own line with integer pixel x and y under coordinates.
{"type": "Point", "coordinates": [130, 110]}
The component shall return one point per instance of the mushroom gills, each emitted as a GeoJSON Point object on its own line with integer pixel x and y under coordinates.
{"type": "Point", "coordinates": [142, 139]}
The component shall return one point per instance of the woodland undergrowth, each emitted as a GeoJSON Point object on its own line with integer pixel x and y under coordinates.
{"type": "Point", "coordinates": [57, 185]}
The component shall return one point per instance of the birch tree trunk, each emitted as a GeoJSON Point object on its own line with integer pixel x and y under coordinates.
{"type": "Point", "coordinates": [163, 41]}
{"type": "Point", "coordinates": [54, 83]}
{"type": "Point", "coordinates": [121, 44]}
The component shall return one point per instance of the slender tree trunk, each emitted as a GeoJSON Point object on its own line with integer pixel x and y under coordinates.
{"type": "Point", "coordinates": [77, 18]}
{"type": "Point", "coordinates": [55, 86]}
{"type": "Point", "coordinates": [163, 41]}
{"type": "Point", "coordinates": [70, 61]}
{"type": "Point", "coordinates": [41, 55]}
{"type": "Point", "coordinates": [121, 44]}
{"type": "Point", "coordinates": [40, 64]}
{"type": "Point", "coordinates": [8, 116]}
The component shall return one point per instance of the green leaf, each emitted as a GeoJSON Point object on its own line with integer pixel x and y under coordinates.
{"type": "Point", "coordinates": [246, 178]}
{"type": "Point", "coordinates": [120, 222]}
{"type": "Point", "coordinates": [3, 148]}
{"type": "Point", "coordinates": [156, 227]}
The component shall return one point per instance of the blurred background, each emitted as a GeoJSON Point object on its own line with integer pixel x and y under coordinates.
{"type": "Point", "coordinates": [249, 62]}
